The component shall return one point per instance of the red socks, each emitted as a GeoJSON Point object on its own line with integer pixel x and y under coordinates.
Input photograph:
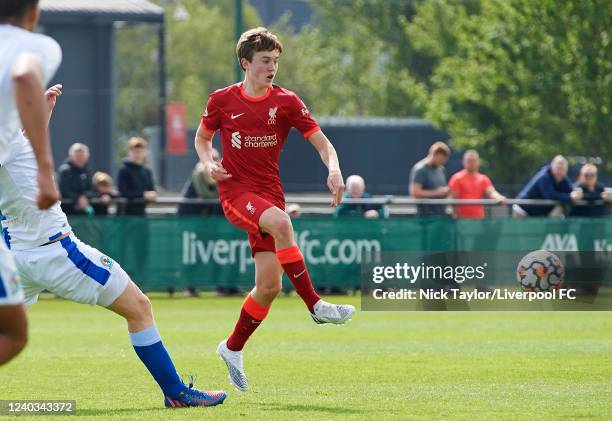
{"type": "Point", "coordinates": [292, 261]}
{"type": "Point", "coordinates": [251, 315]}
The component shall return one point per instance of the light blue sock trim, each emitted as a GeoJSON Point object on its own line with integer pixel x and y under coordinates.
{"type": "Point", "coordinates": [146, 337]}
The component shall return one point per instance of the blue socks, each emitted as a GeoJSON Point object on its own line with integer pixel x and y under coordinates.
{"type": "Point", "coordinates": [149, 348]}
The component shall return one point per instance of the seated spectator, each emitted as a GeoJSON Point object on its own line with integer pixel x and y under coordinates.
{"type": "Point", "coordinates": [469, 183]}
{"type": "Point", "coordinates": [103, 192]}
{"type": "Point", "coordinates": [135, 180]}
{"type": "Point", "coordinates": [355, 189]}
{"type": "Point", "coordinates": [550, 182]}
{"type": "Point", "coordinates": [201, 186]}
{"type": "Point", "coordinates": [428, 179]}
{"type": "Point", "coordinates": [589, 189]}
{"type": "Point", "coordinates": [74, 181]}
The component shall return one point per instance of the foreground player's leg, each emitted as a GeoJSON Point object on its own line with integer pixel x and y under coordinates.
{"type": "Point", "coordinates": [135, 307]}
{"type": "Point", "coordinates": [268, 278]}
{"type": "Point", "coordinates": [278, 224]}
{"type": "Point", "coordinates": [13, 331]}
{"type": "Point", "coordinates": [13, 321]}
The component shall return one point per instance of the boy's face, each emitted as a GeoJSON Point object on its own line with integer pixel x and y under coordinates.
{"type": "Point", "coordinates": [262, 69]}
{"type": "Point", "coordinates": [104, 188]}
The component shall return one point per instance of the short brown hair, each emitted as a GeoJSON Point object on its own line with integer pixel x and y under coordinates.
{"type": "Point", "coordinates": [255, 40]}
{"type": "Point", "coordinates": [137, 142]}
{"type": "Point", "coordinates": [439, 148]}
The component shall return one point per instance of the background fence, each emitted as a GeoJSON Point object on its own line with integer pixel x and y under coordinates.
{"type": "Point", "coordinates": [207, 253]}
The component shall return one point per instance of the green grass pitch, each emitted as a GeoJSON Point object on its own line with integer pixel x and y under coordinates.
{"type": "Point", "coordinates": [402, 365]}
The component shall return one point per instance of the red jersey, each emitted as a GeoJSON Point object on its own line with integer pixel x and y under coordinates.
{"type": "Point", "coordinates": [253, 131]}
{"type": "Point", "coordinates": [470, 186]}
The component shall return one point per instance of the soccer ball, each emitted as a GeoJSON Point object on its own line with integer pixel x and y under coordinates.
{"type": "Point", "coordinates": [540, 270]}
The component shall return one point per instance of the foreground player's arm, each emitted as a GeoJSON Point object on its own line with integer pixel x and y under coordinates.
{"type": "Point", "coordinates": [330, 159]}
{"type": "Point", "coordinates": [30, 98]}
{"type": "Point", "coordinates": [203, 145]}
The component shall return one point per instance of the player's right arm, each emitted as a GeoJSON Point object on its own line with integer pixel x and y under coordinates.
{"type": "Point", "coordinates": [203, 143]}
{"type": "Point", "coordinates": [27, 75]}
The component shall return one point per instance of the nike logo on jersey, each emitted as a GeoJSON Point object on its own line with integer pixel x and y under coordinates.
{"type": "Point", "coordinates": [235, 116]}
{"type": "Point", "coordinates": [300, 274]}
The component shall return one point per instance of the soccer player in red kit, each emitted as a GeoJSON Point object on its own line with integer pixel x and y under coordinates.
{"type": "Point", "coordinates": [254, 118]}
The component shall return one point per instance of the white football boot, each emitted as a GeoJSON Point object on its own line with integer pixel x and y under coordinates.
{"type": "Point", "coordinates": [233, 360]}
{"type": "Point", "coordinates": [338, 314]}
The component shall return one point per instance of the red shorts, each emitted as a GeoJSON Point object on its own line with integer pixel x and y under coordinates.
{"type": "Point", "coordinates": [243, 210]}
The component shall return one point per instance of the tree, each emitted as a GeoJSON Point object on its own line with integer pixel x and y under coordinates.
{"type": "Point", "coordinates": [525, 81]}
{"type": "Point", "coordinates": [353, 60]}
{"type": "Point", "coordinates": [200, 59]}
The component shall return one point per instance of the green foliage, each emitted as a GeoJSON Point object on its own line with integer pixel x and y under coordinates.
{"type": "Point", "coordinates": [200, 57]}
{"type": "Point", "coordinates": [348, 62]}
{"type": "Point", "coordinates": [518, 79]}
{"type": "Point", "coordinates": [521, 80]}
{"type": "Point", "coordinates": [201, 52]}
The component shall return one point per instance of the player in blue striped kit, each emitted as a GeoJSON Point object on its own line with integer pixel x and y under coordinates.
{"type": "Point", "coordinates": [47, 255]}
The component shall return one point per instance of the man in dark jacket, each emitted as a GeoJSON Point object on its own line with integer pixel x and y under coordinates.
{"type": "Point", "coordinates": [591, 191]}
{"type": "Point", "coordinates": [135, 183]}
{"type": "Point", "coordinates": [74, 179]}
{"type": "Point", "coordinates": [135, 180]}
{"type": "Point", "coordinates": [201, 186]}
{"type": "Point", "coordinates": [550, 182]}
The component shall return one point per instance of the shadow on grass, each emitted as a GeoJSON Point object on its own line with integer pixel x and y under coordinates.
{"type": "Point", "coordinates": [313, 408]}
{"type": "Point", "coordinates": [115, 412]}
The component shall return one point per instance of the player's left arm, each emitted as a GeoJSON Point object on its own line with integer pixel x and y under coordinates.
{"type": "Point", "coordinates": [328, 154]}
{"type": "Point", "coordinates": [51, 95]}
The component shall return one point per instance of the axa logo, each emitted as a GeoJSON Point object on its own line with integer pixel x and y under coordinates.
{"type": "Point", "coordinates": [236, 140]}
{"type": "Point", "coordinates": [250, 208]}
{"type": "Point", "coordinates": [560, 242]}
{"type": "Point", "coordinates": [272, 115]}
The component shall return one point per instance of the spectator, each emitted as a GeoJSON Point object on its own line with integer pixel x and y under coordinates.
{"type": "Point", "coordinates": [74, 181]}
{"type": "Point", "coordinates": [469, 183]}
{"type": "Point", "coordinates": [589, 189]}
{"type": "Point", "coordinates": [103, 192]}
{"type": "Point", "coordinates": [428, 179]}
{"type": "Point", "coordinates": [201, 186]}
{"type": "Point", "coordinates": [355, 189]}
{"type": "Point", "coordinates": [550, 182]}
{"type": "Point", "coordinates": [135, 180]}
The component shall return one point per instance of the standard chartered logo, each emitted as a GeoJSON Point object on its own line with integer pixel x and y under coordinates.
{"type": "Point", "coordinates": [316, 252]}
{"type": "Point", "coordinates": [266, 141]}
{"type": "Point", "coordinates": [236, 140]}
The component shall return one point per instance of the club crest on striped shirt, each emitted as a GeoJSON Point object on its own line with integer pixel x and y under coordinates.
{"type": "Point", "coordinates": [272, 115]}
{"type": "Point", "coordinates": [106, 261]}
